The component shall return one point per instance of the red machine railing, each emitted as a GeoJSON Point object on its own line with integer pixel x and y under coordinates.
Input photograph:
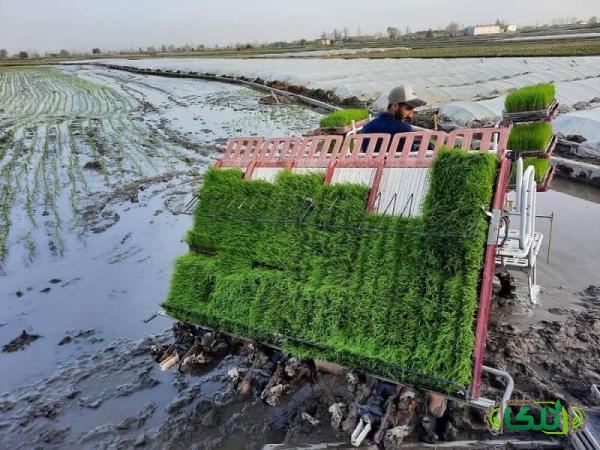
{"type": "Point", "coordinates": [241, 152]}
{"type": "Point", "coordinates": [401, 152]}
{"type": "Point", "coordinates": [487, 281]}
{"type": "Point", "coordinates": [275, 152]}
{"type": "Point", "coordinates": [486, 139]}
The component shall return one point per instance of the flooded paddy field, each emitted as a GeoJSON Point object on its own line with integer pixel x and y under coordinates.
{"type": "Point", "coordinates": [96, 168]}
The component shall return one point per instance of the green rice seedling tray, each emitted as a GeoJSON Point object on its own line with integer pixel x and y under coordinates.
{"type": "Point", "coordinates": [544, 173]}
{"type": "Point", "coordinates": [340, 121]}
{"type": "Point", "coordinates": [301, 264]}
{"type": "Point", "coordinates": [531, 103]}
{"type": "Point", "coordinates": [532, 139]}
{"type": "Point", "coordinates": [546, 115]}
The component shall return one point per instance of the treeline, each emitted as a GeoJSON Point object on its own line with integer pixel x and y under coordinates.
{"type": "Point", "coordinates": [336, 37]}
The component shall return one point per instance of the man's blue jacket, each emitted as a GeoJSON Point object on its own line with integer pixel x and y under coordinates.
{"type": "Point", "coordinates": [387, 123]}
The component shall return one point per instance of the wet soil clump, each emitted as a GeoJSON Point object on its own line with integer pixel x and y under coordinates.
{"type": "Point", "coordinates": [20, 342]}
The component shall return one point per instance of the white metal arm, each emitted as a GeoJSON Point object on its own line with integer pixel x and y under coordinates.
{"type": "Point", "coordinates": [527, 195]}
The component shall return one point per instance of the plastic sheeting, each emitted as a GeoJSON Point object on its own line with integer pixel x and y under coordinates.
{"type": "Point", "coordinates": [467, 89]}
{"type": "Point", "coordinates": [582, 123]}
{"type": "Point", "coordinates": [439, 81]}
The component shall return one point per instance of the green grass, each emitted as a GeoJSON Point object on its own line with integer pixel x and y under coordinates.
{"type": "Point", "coordinates": [530, 98]}
{"type": "Point", "coordinates": [469, 48]}
{"type": "Point", "coordinates": [343, 117]}
{"type": "Point", "coordinates": [302, 265]}
{"type": "Point", "coordinates": [530, 137]}
{"type": "Point", "coordinates": [541, 166]}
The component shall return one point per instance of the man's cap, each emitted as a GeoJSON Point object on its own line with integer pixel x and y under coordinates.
{"type": "Point", "coordinates": [405, 94]}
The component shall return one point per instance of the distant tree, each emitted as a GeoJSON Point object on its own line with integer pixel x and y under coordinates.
{"type": "Point", "coordinates": [303, 42]}
{"type": "Point", "coordinates": [95, 51]}
{"type": "Point", "coordinates": [453, 28]}
{"type": "Point", "coordinates": [163, 48]}
{"type": "Point", "coordinates": [346, 33]}
{"type": "Point", "coordinates": [3, 53]}
{"type": "Point", "coordinates": [201, 48]}
{"type": "Point", "coordinates": [337, 34]}
{"type": "Point", "coordinates": [499, 22]}
{"type": "Point", "coordinates": [64, 52]}
{"type": "Point", "coordinates": [171, 48]}
{"type": "Point", "coordinates": [429, 33]}
{"type": "Point", "coordinates": [393, 33]}
{"type": "Point", "coordinates": [593, 20]}
{"type": "Point", "coordinates": [23, 55]}
{"type": "Point", "coordinates": [408, 31]}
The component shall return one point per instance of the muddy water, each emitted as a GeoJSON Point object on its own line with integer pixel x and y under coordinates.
{"type": "Point", "coordinates": [89, 380]}
{"type": "Point", "coordinates": [573, 262]}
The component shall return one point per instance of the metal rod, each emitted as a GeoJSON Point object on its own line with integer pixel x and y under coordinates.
{"type": "Point", "coordinates": [508, 390]}
{"type": "Point", "coordinates": [550, 237]}
{"type": "Point", "coordinates": [409, 202]}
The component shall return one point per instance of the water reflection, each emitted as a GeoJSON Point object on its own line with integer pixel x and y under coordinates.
{"type": "Point", "coordinates": [579, 190]}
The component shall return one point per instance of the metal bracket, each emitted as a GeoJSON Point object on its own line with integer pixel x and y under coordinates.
{"type": "Point", "coordinates": [494, 231]}
{"type": "Point", "coordinates": [361, 431]}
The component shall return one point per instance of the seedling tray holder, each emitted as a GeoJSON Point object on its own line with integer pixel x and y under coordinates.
{"type": "Point", "coordinates": [545, 115]}
{"type": "Point", "coordinates": [385, 165]}
{"type": "Point", "coordinates": [544, 185]}
{"type": "Point", "coordinates": [545, 153]}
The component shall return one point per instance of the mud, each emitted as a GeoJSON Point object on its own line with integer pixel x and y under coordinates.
{"type": "Point", "coordinates": [321, 95]}
{"type": "Point", "coordinates": [551, 359]}
{"type": "Point", "coordinates": [20, 342]}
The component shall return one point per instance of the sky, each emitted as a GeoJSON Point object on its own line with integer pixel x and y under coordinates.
{"type": "Point", "coordinates": [51, 25]}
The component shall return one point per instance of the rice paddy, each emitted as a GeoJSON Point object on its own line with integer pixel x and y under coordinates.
{"type": "Point", "coordinates": [343, 117]}
{"type": "Point", "coordinates": [532, 137]}
{"type": "Point", "coordinates": [301, 264]}
{"type": "Point", "coordinates": [62, 138]}
{"type": "Point", "coordinates": [530, 98]}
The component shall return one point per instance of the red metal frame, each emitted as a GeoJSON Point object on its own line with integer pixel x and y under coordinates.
{"type": "Point", "coordinates": [547, 181]}
{"type": "Point", "coordinates": [275, 152]}
{"type": "Point", "coordinates": [365, 151]}
{"type": "Point", "coordinates": [487, 281]}
{"type": "Point", "coordinates": [329, 152]}
{"type": "Point", "coordinates": [318, 151]}
{"type": "Point", "coordinates": [401, 155]}
{"type": "Point", "coordinates": [241, 152]}
{"type": "Point", "coordinates": [485, 135]}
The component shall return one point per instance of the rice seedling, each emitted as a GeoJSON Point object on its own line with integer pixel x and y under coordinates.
{"type": "Point", "coordinates": [530, 98]}
{"type": "Point", "coordinates": [301, 264]}
{"type": "Point", "coordinates": [29, 246]}
{"type": "Point", "coordinates": [343, 118]}
{"type": "Point", "coordinates": [530, 137]}
{"type": "Point", "coordinates": [541, 167]}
